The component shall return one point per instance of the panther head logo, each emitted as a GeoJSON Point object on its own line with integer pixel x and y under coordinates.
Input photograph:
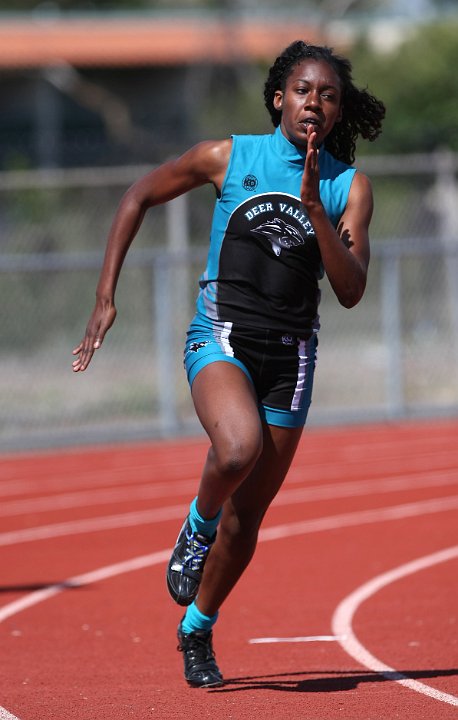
{"type": "Point", "coordinates": [195, 347]}
{"type": "Point", "coordinates": [280, 234]}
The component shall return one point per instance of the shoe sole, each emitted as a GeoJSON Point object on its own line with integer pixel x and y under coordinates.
{"type": "Point", "coordinates": [207, 685]}
{"type": "Point", "coordinates": [179, 599]}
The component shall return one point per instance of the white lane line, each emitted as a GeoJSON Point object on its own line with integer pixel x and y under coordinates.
{"type": "Point", "coordinates": [343, 617]}
{"type": "Point", "coordinates": [299, 639]}
{"type": "Point", "coordinates": [374, 486]}
{"type": "Point", "coordinates": [162, 556]}
{"type": "Point", "coordinates": [273, 533]}
{"type": "Point", "coordinates": [97, 524]}
{"type": "Point", "coordinates": [93, 576]}
{"type": "Point", "coordinates": [146, 517]}
{"type": "Point", "coordinates": [374, 467]}
{"type": "Point", "coordinates": [360, 517]}
{"type": "Point", "coordinates": [109, 476]}
{"type": "Point", "coordinates": [103, 573]}
{"type": "Point", "coordinates": [305, 465]}
{"type": "Point", "coordinates": [92, 498]}
{"type": "Point", "coordinates": [5, 715]}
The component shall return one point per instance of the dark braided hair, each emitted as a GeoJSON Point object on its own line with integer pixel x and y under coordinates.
{"type": "Point", "coordinates": [362, 113]}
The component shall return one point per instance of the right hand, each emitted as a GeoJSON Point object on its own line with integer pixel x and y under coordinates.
{"type": "Point", "coordinates": [101, 320]}
{"type": "Point", "coordinates": [310, 186]}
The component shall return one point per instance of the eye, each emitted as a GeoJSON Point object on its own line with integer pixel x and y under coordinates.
{"type": "Point", "coordinates": [301, 88]}
{"type": "Point", "coordinates": [329, 95]}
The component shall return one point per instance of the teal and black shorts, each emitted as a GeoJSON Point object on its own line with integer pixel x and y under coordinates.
{"type": "Point", "coordinates": [280, 365]}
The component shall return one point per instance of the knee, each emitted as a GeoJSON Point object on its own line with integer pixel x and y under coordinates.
{"type": "Point", "coordinates": [237, 456]}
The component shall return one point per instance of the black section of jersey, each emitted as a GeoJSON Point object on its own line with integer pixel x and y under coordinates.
{"type": "Point", "coordinates": [269, 266]}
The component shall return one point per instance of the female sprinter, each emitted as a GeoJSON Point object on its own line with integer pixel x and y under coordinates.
{"type": "Point", "coordinates": [289, 206]}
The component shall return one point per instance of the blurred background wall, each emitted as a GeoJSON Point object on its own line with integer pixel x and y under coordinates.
{"type": "Point", "coordinates": [94, 94]}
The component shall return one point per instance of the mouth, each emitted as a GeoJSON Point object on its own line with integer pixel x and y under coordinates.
{"type": "Point", "coordinates": [310, 122]}
{"type": "Point", "coordinates": [313, 121]}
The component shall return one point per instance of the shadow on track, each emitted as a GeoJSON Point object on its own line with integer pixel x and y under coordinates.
{"type": "Point", "coordinates": [33, 587]}
{"type": "Point", "coordinates": [322, 682]}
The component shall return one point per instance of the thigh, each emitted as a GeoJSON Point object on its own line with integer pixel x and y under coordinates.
{"type": "Point", "coordinates": [226, 403]}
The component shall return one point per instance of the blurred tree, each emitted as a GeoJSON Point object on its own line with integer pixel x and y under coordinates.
{"type": "Point", "coordinates": [327, 8]}
{"type": "Point", "coordinates": [96, 5]}
{"type": "Point", "coordinates": [419, 85]}
{"type": "Point", "coordinates": [324, 8]}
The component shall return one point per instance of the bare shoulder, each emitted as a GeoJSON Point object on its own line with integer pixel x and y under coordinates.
{"type": "Point", "coordinates": [209, 159]}
{"type": "Point", "coordinates": [360, 199]}
{"type": "Point", "coordinates": [217, 151]}
{"type": "Point", "coordinates": [361, 184]}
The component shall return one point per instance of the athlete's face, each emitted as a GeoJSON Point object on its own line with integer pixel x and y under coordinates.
{"type": "Point", "coordinates": [312, 96]}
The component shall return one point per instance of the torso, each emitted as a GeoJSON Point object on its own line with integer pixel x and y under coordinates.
{"type": "Point", "coordinates": [264, 262]}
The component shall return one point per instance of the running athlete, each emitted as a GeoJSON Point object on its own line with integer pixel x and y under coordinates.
{"type": "Point", "coordinates": [289, 208]}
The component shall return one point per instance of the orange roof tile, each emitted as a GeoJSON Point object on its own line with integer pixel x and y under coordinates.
{"type": "Point", "coordinates": [143, 41]}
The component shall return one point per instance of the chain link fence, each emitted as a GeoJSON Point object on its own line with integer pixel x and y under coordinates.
{"type": "Point", "coordinates": [394, 355]}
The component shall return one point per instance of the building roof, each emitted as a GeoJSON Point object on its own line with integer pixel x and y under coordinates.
{"type": "Point", "coordinates": [135, 40]}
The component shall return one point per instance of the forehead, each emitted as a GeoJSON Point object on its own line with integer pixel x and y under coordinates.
{"type": "Point", "coordinates": [318, 72]}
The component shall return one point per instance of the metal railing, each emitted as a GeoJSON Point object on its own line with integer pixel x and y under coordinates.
{"type": "Point", "coordinates": [393, 356]}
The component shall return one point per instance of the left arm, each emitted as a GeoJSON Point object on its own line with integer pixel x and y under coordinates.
{"type": "Point", "coordinates": [345, 251]}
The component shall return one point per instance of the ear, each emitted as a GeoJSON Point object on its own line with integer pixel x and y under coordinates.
{"type": "Point", "coordinates": [339, 117]}
{"type": "Point", "coordinates": [278, 99]}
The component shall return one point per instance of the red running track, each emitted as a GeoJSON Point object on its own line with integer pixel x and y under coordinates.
{"type": "Point", "coordinates": [349, 609]}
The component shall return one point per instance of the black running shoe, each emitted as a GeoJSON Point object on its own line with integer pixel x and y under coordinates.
{"type": "Point", "coordinates": [200, 668]}
{"type": "Point", "coordinates": [184, 571]}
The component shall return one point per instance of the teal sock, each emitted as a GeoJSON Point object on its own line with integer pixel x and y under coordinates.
{"type": "Point", "coordinates": [199, 524]}
{"type": "Point", "coordinates": [195, 620]}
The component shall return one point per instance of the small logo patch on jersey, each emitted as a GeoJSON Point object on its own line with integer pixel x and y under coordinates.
{"type": "Point", "coordinates": [250, 183]}
{"type": "Point", "coordinates": [194, 347]}
{"type": "Point", "coordinates": [287, 340]}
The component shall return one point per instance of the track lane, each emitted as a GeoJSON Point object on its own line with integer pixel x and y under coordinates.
{"type": "Point", "coordinates": [131, 666]}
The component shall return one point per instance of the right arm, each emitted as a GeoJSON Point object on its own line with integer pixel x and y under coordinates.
{"type": "Point", "coordinates": [204, 163]}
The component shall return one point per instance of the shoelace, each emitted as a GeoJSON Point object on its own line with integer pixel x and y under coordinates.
{"type": "Point", "coordinates": [196, 552]}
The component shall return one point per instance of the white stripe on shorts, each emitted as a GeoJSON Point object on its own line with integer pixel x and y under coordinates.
{"type": "Point", "coordinates": [303, 366]}
{"type": "Point", "coordinates": [224, 337]}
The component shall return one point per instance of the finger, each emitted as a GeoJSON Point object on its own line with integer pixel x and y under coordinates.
{"type": "Point", "coordinates": [82, 362]}
{"type": "Point", "coordinates": [312, 153]}
{"type": "Point", "coordinates": [76, 364]}
{"type": "Point", "coordinates": [311, 135]}
{"type": "Point", "coordinates": [93, 339]}
{"type": "Point", "coordinates": [310, 166]}
{"type": "Point", "coordinates": [85, 351]}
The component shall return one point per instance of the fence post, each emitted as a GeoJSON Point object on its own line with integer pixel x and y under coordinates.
{"type": "Point", "coordinates": [178, 244]}
{"type": "Point", "coordinates": [446, 200]}
{"type": "Point", "coordinates": [392, 331]}
{"type": "Point", "coordinates": [163, 329]}
{"type": "Point", "coordinates": [48, 123]}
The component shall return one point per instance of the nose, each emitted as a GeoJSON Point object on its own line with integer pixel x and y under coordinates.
{"type": "Point", "coordinates": [312, 98]}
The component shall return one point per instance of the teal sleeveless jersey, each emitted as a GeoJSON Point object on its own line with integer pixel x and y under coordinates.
{"type": "Point", "coordinates": [264, 262]}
